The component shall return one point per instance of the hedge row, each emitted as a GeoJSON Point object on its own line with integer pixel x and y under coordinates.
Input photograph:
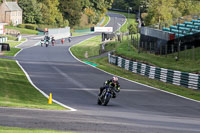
{"type": "Point", "coordinates": [28, 26]}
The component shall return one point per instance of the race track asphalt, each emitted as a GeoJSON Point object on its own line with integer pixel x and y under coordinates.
{"type": "Point", "coordinates": [137, 109]}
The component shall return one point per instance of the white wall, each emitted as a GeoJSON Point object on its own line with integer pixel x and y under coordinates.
{"type": "Point", "coordinates": [1, 29]}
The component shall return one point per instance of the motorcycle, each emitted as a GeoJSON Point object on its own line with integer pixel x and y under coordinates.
{"type": "Point", "coordinates": [47, 43]}
{"type": "Point", "coordinates": [53, 42]}
{"type": "Point", "coordinates": [104, 98]}
{"type": "Point", "coordinates": [69, 39]}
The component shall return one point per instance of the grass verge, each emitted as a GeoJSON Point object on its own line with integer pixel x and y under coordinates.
{"type": "Point", "coordinates": [87, 48]}
{"type": "Point", "coordinates": [22, 130]}
{"type": "Point", "coordinates": [13, 50]}
{"type": "Point", "coordinates": [104, 65]}
{"type": "Point", "coordinates": [168, 62]}
{"type": "Point", "coordinates": [22, 30]}
{"type": "Point", "coordinates": [80, 34]}
{"type": "Point", "coordinates": [16, 91]}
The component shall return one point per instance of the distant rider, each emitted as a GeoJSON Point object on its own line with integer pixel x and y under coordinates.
{"type": "Point", "coordinates": [62, 40]}
{"type": "Point", "coordinates": [69, 39]}
{"type": "Point", "coordinates": [111, 83]}
{"type": "Point", "coordinates": [42, 42]}
{"type": "Point", "coordinates": [53, 41]}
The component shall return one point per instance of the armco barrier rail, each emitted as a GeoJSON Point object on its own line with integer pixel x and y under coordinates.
{"type": "Point", "coordinates": [185, 79]}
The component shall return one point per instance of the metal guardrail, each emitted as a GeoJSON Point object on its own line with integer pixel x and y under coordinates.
{"type": "Point", "coordinates": [179, 78]}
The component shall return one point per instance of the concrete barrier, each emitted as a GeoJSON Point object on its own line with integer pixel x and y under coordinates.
{"type": "Point", "coordinates": [59, 33]}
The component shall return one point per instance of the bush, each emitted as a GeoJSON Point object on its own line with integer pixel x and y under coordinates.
{"type": "Point", "coordinates": [21, 25]}
{"type": "Point", "coordinates": [28, 26]}
{"type": "Point", "coordinates": [31, 26]}
{"type": "Point", "coordinates": [11, 23]}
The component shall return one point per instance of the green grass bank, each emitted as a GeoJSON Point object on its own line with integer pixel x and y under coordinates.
{"type": "Point", "coordinates": [13, 50]}
{"type": "Point", "coordinates": [22, 30]}
{"type": "Point", "coordinates": [16, 90]}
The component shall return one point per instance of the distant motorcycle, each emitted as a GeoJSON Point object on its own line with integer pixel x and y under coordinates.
{"type": "Point", "coordinates": [53, 42]}
{"type": "Point", "coordinates": [104, 98]}
{"type": "Point", "coordinates": [69, 39]}
{"type": "Point", "coordinates": [47, 43]}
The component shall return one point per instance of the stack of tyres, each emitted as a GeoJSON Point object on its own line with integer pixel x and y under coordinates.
{"type": "Point", "coordinates": [5, 46]}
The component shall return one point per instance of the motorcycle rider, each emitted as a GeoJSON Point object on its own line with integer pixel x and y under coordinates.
{"type": "Point", "coordinates": [111, 83]}
{"type": "Point", "coordinates": [53, 41]}
{"type": "Point", "coordinates": [69, 39]}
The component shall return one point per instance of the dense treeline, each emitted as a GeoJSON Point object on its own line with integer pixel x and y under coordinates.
{"type": "Point", "coordinates": [63, 12]}
{"type": "Point", "coordinates": [158, 11]}
{"type": "Point", "coordinates": [70, 12]}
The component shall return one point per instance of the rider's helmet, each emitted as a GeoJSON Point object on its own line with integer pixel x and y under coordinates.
{"type": "Point", "coordinates": [115, 79]}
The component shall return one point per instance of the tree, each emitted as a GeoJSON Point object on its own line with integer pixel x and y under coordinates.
{"type": "Point", "coordinates": [90, 13]}
{"type": "Point", "coordinates": [71, 11]}
{"type": "Point", "coordinates": [50, 12]}
{"type": "Point", "coordinates": [159, 11]}
{"type": "Point", "coordinates": [31, 11]}
{"type": "Point", "coordinates": [132, 30]}
{"type": "Point", "coordinates": [120, 4]}
{"type": "Point", "coordinates": [100, 7]}
{"type": "Point", "coordinates": [164, 10]}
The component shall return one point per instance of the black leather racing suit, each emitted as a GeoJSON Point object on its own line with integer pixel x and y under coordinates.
{"type": "Point", "coordinates": [110, 83]}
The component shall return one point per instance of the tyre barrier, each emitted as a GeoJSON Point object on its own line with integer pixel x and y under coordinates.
{"type": "Point", "coordinates": [188, 80]}
{"type": "Point", "coordinates": [5, 47]}
{"type": "Point", "coordinates": [3, 39]}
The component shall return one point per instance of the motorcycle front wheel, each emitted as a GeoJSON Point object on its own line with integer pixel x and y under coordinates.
{"type": "Point", "coordinates": [106, 100]}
